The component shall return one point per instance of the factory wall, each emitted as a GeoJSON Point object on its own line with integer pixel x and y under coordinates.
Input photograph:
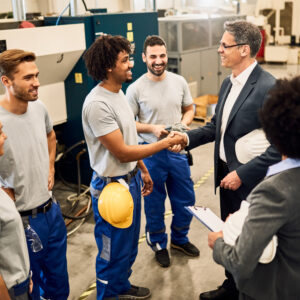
{"type": "Point", "coordinates": [56, 6]}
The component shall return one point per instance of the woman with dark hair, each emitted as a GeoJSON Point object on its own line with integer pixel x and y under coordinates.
{"type": "Point", "coordinates": [274, 209]}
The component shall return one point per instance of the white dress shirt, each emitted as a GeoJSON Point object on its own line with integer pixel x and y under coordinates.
{"type": "Point", "coordinates": [237, 85]}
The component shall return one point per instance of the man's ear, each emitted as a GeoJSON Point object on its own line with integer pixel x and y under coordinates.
{"type": "Point", "coordinates": [109, 70]}
{"type": "Point", "coordinates": [144, 57]}
{"type": "Point", "coordinates": [6, 81]}
{"type": "Point", "coordinates": [245, 50]}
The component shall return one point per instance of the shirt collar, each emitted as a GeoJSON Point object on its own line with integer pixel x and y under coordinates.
{"type": "Point", "coordinates": [289, 163]}
{"type": "Point", "coordinates": [243, 77]}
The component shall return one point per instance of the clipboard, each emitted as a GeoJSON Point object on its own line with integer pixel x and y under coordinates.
{"type": "Point", "coordinates": [207, 217]}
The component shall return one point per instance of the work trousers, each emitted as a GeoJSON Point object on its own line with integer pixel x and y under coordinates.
{"type": "Point", "coordinates": [117, 248]}
{"type": "Point", "coordinates": [49, 265]}
{"type": "Point", "coordinates": [171, 174]}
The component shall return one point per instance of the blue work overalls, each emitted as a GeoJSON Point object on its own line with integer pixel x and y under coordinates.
{"type": "Point", "coordinates": [49, 265]}
{"type": "Point", "coordinates": [169, 171]}
{"type": "Point", "coordinates": [117, 247]}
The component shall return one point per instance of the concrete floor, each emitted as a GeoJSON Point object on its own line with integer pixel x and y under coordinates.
{"type": "Point", "coordinates": [185, 279]}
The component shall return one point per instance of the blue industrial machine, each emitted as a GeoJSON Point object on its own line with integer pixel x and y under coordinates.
{"type": "Point", "coordinates": [135, 27]}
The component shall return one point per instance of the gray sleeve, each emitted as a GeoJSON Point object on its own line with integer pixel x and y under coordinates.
{"type": "Point", "coordinates": [4, 183]}
{"type": "Point", "coordinates": [7, 178]}
{"type": "Point", "coordinates": [100, 119]}
{"type": "Point", "coordinates": [132, 97]}
{"type": "Point", "coordinates": [268, 212]}
{"type": "Point", "coordinates": [7, 174]}
{"type": "Point", "coordinates": [187, 97]}
{"type": "Point", "coordinates": [48, 122]}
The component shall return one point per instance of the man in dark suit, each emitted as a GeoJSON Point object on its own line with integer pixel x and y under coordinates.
{"type": "Point", "coordinates": [240, 98]}
{"type": "Point", "coordinates": [274, 209]}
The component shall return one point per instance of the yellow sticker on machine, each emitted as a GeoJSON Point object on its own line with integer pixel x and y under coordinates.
{"type": "Point", "coordinates": [130, 36]}
{"type": "Point", "coordinates": [129, 26]}
{"type": "Point", "coordinates": [78, 78]}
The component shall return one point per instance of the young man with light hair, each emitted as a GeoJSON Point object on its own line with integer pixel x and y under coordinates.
{"type": "Point", "coordinates": [27, 173]}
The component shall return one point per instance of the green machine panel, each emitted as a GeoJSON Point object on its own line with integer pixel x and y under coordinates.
{"type": "Point", "coordinates": [135, 27]}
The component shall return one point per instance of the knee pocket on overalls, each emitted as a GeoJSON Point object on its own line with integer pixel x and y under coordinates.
{"type": "Point", "coordinates": [106, 248]}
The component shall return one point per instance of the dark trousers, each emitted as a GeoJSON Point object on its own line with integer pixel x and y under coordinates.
{"type": "Point", "coordinates": [230, 201]}
{"type": "Point", "coordinates": [245, 297]}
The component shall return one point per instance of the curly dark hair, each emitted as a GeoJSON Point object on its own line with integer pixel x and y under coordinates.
{"type": "Point", "coordinates": [245, 33]}
{"type": "Point", "coordinates": [153, 40]}
{"type": "Point", "coordinates": [103, 55]}
{"type": "Point", "coordinates": [280, 117]}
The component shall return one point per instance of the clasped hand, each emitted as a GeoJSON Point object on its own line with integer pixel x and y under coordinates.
{"type": "Point", "coordinates": [180, 143]}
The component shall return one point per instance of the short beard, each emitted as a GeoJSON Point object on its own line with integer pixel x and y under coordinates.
{"type": "Point", "coordinates": [158, 74]}
{"type": "Point", "coordinates": [22, 95]}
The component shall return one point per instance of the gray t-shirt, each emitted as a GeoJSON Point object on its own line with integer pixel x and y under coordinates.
{"type": "Point", "coordinates": [158, 102]}
{"type": "Point", "coordinates": [24, 166]}
{"type": "Point", "coordinates": [14, 260]}
{"type": "Point", "coordinates": [104, 112]}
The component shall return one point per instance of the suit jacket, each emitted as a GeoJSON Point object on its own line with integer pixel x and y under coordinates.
{"type": "Point", "coordinates": [274, 209]}
{"type": "Point", "coordinates": [244, 118]}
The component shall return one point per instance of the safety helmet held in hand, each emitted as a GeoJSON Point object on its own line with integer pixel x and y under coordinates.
{"type": "Point", "coordinates": [115, 205]}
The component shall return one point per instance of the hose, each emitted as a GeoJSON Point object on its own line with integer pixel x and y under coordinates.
{"type": "Point", "coordinates": [71, 198]}
{"type": "Point", "coordinates": [75, 198]}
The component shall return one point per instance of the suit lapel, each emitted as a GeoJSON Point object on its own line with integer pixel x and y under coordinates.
{"type": "Point", "coordinates": [245, 92]}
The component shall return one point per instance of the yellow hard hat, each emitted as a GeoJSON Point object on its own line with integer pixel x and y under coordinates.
{"type": "Point", "coordinates": [115, 205]}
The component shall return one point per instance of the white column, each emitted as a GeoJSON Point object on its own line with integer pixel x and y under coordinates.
{"type": "Point", "coordinates": [19, 9]}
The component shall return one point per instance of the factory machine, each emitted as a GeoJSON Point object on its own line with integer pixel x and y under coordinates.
{"type": "Point", "coordinates": [192, 42]}
{"type": "Point", "coordinates": [57, 50]}
{"type": "Point", "coordinates": [279, 19]}
{"type": "Point", "coordinates": [135, 27]}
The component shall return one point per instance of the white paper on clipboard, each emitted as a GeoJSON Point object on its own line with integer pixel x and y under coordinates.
{"type": "Point", "coordinates": [206, 217]}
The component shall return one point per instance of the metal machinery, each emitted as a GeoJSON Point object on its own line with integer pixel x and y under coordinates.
{"type": "Point", "coordinates": [192, 42]}
{"type": "Point", "coordinates": [281, 22]}
{"type": "Point", "coordinates": [57, 50]}
{"type": "Point", "coordinates": [134, 26]}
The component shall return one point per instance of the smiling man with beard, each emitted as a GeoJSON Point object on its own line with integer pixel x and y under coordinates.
{"type": "Point", "coordinates": [159, 99]}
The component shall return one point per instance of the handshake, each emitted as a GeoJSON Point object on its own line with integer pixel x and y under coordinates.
{"type": "Point", "coordinates": [177, 140]}
{"type": "Point", "coordinates": [174, 136]}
